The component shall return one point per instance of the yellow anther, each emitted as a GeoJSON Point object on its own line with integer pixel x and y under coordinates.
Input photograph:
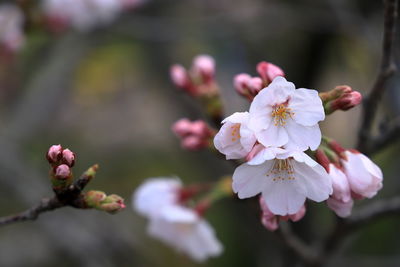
{"type": "Point", "coordinates": [280, 113]}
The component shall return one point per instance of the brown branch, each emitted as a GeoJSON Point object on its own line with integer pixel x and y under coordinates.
{"type": "Point", "coordinates": [70, 196]}
{"type": "Point", "coordinates": [46, 204]}
{"type": "Point", "coordinates": [385, 139]}
{"type": "Point", "coordinates": [303, 251]}
{"type": "Point", "coordinates": [362, 217]}
{"type": "Point", "coordinates": [387, 69]}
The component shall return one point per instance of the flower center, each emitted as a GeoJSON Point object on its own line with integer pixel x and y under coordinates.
{"type": "Point", "coordinates": [281, 170]}
{"type": "Point", "coordinates": [235, 132]}
{"type": "Point", "coordinates": [280, 113]}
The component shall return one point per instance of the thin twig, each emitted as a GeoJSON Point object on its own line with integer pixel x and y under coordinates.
{"type": "Point", "coordinates": [33, 213]}
{"type": "Point", "coordinates": [362, 217]}
{"type": "Point", "coordinates": [387, 69]}
{"type": "Point", "coordinates": [70, 196]}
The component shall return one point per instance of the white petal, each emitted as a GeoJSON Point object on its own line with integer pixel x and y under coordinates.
{"type": "Point", "coordinates": [237, 117]}
{"type": "Point", "coordinates": [307, 107]}
{"type": "Point", "coordinates": [282, 198]}
{"type": "Point", "coordinates": [273, 136]}
{"type": "Point", "coordinates": [249, 180]}
{"type": "Point", "coordinates": [154, 193]}
{"type": "Point", "coordinates": [267, 153]}
{"type": "Point", "coordinates": [314, 180]}
{"type": "Point", "coordinates": [341, 208]}
{"type": "Point", "coordinates": [303, 136]}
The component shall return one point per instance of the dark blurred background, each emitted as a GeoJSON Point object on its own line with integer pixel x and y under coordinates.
{"type": "Point", "coordinates": [105, 93]}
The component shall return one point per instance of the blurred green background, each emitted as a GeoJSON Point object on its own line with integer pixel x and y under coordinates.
{"type": "Point", "coordinates": [106, 95]}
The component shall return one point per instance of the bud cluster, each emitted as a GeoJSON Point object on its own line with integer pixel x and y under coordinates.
{"type": "Point", "coordinates": [199, 80]}
{"type": "Point", "coordinates": [354, 176]}
{"type": "Point", "coordinates": [61, 161]}
{"type": "Point", "coordinates": [249, 86]}
{"type": "Point", "coordinates": [194, 135]}
{"type": "Point", "coordinates": [342, 97]}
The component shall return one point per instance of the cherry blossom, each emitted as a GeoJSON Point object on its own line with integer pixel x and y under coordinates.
{"type": "Point", "coordinates": [283, 115]}
{"type": "Point", "coordinates": [285, 178]}
{"type": "Point", "coordinates": [156, 193]}
{"type": "Point", "coordinates": [340, 201]}
{"type": "Point", "coordinates": [235, 139]}
{"type": "Point", "coordinates": [364, 176]}
{"type": "Point", "coordinates": [183, 229]}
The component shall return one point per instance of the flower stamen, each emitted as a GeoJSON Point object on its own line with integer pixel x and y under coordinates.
{"type": "Point", "coordinates": [280, 113]}
{"type": "Point", "coordinates": [281, 170]}
{"type": "Point", "coordinates": [235, 132]}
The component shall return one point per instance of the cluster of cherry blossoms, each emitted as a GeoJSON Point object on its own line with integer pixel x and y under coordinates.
{"type": "Point", "coordinates": [164, 201]}
{"type": "Point", "coordinates": [278, 145]}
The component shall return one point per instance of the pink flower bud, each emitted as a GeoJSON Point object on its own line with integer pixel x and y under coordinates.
{"type": "Point", "coordinates": [341, 208]}
{"type": "Point", "coordinates": [200, 128]}
{"type": "Point", "coordinates": [365, 177]}
{"type": "Point", "coordinates": [255, 85]}
{"type": "Point", "coordinates": [270, 220]}
{"type": "Point", "coordinates": [268, 71]}
{"type": "Point", "coordinates": [54, 154]}
{"type": "Point", "coordinates": [322, 159]}
{"type": "Point", "coordinates": [193, 143]}
{"type": "Point", "coordinates": [240, 82]}
{"type": "Point", "coordinates": [62, 172]}
{"type": "Point", "coordinates": [205, 66]}
{"type": "Point", "coordinates": [182, 127]}
{"type": "Point", "coordinates": [180, 76]}
{"type": "Point", "coordinates": [68, 157]}
{"type": "Point", "coordinates": [347, 101]}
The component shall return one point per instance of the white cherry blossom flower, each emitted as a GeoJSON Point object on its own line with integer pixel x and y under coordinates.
{"type": "Point", "coordinates": [156, 193]}
{"type": "Point", "coordinates": [283, 115]}
{"type": "Point", "coordinates": [340, 201]}
{"type": "Point", "coordinates": [183, 229]}
{"type": "Point", "coordinates": [235, 139]}
{"type": "Point", "coordinates": [365, 177]}
{"type": "Point", "coordinates": [285, 179]}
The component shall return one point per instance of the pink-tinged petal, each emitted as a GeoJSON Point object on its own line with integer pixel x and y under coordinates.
{"type": "Point", "coordinates": [237, 117]}
{"type": "Point", "coordinates": [265, 154]}
{"type": "Point", "coordinates": [261, 120]}
{"type": "Point", "coordinates": [247, 138]}
{"type": "Point", "coordinates": [341, 208]}
{"type": "Point", "coordinates": [249, 180]}
{"type": "Point", "coordinates": [341, 187]}
{"type": "Point", "coordinates": [175, 213]}
{"type": "Point", "coordinates": [299, 215]}
{"type": "Point", "coordinates": [282, 198]}
{"type": "Point", "coordinates": [315, 181]}
{"type": "Point", "coordinates": [365, 178]}
{"type": "Point", "coordinates": [275, 136]}
{"type": "Point", "coordinates": [307, 107]}
{"type": "Point", "coordinates": [303, 136]}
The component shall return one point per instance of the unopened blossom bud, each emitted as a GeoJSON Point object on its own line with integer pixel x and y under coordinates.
{"type": "Point", "coordinates": [193, 143]}
{"type": "Point", "coordinates": [94, 198]}
{"type": "Point", "coordinates": [365, 177]}
{"type": "Point", "coordinates": [62, 172]}
{"type": "Point", "coordinates": [201, 129]}
{"type": "Point", "coordinates": [342, 97]}
{"type": "Point", "coordinates": [180, 76]}
{"type": "Point", "coordinates": [68, 157]}
{"type": "Point", "coordinates": [54, 154]}
{"type": "Point", "coordinates": [341, 208]}
{"type": "Point", "coordinates": [347, 101]}
{"type": "Point", "coordinates": [268, 72]}
{"type": "Point", "coordinates": [271, 221]}
{"type": "Point", "coordinates": [61, 177]}
{"type": "Point", "coordinates": [204, 65]}
{"type": "Point", "coordinates": [112, 204]}
{"type": "Point", "coordinates": [247, 86]}
{"type": "Point", "coordinates": [194, 135]}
